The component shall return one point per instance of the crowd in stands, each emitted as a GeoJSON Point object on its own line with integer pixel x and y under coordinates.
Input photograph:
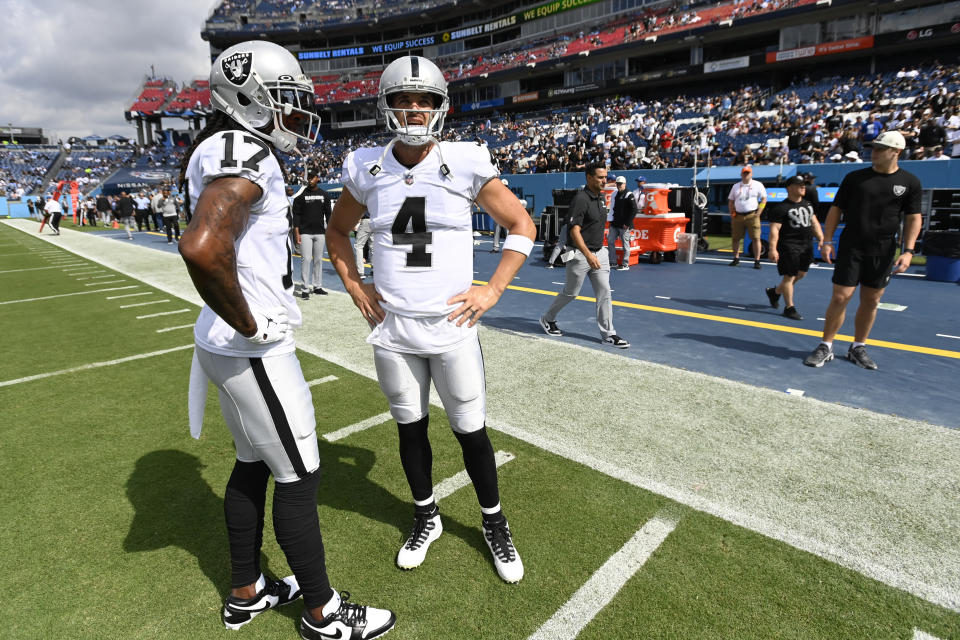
{"type": "Point", "coordinates": [22, 169]}
{"type": "Point", "coordinates": [827, 120]}
{"type": "Point", "coordinates": [811, 121]}
{"type": "Point", "coordinates": [282, 13]}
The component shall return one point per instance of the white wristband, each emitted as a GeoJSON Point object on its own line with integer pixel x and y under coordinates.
{"type": "Point", "coordinates": [518, 243]}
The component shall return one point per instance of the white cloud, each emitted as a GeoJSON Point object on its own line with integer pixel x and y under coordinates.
{"type": "Point", "coordinates": [72, 68]}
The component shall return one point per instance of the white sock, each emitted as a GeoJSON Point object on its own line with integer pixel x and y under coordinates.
{"type": "Point", "coordinates": [858, 344]}
{"type": "Point", "coordinates": [332, 605]}
{"type": "Point", "coordinates": [423, 503]}
{"type": "Point", "coordinates": [489, 511]}
{"type": "Point", "coordinates": [829, 344]}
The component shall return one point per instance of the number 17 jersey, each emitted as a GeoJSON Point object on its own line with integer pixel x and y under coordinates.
{"type": "Point", "coordinates": [422, 223]}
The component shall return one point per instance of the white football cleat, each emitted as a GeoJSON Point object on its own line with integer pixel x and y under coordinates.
{"type": "Point", "coordinates": [426, 528]}
{"type": "Point", "coordinates": [505, 556]}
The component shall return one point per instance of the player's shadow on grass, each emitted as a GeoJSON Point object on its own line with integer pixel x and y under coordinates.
{"type": "Point", "coordinates": [175, 507]}
{"type": "Point", "coordinates": [743, 346]}
{"type": "Point", "coordinates": [345, 486]}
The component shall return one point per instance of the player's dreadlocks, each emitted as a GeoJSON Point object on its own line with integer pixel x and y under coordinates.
{"type": "Point", "coordinates": [218, 122]}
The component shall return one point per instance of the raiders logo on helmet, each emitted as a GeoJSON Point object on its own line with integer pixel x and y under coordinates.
{"type": "Point", "coordinates": [236, 68]}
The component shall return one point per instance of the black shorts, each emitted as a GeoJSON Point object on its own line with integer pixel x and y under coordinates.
{"type": "Point", "coordinates": [853, 267]}
{"type": "Point", "coordinates": [794, 258]}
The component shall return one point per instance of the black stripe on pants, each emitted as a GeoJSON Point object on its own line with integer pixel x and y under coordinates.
{"type": "Point", "coordinates": [280, 423]}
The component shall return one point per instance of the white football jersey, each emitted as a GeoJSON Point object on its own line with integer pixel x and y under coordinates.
{"type": "Point", "coordinates": [422, 223]}
{"type": "Point", "coordinates": [264, 254]}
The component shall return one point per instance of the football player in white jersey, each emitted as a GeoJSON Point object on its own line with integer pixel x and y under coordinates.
{"type": "Point", "coordinates": [239, 257]}
{"type": "Point", "coordinates": [421, 305]}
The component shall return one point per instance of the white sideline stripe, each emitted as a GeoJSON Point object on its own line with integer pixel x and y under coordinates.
{"type": "Point", "coordinates": [606, 582]}
{"type": "Point", "coordinates": [182, 326]}
{"type": "Point", "coordinates": [162, 313]}
{"type": "Point", "coordinates": [142, 304]}
{"type": "Point", "coordinates": [664, 297]}
{"type": "Point", "coordinates": [340, 434]}
{"type": "Point", "coordinates": [130, 295]}
{"type": "Point", "coordinates": [64, 295]}
{"type": "Point", "coordinates": [322, 380]}
{"type": "Point", "coordinates": [944, 335]}
{"type": "Point", "coordinates": [30, 269]}
{"type": "Point", "coordinates": [931, 593]}
{"type": "Point", "coordinates": [733, 306]}
{"type": "Point", "coordinates": [94, 365]}
{"type": "Point", "coordinates": [96, 284]}
{"type": "Point", "coordinates": [460, 480]}
{"type": "Point", "coordinates": [923, 635]}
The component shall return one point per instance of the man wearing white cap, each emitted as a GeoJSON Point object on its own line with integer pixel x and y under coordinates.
{"type": "Point", "coordinates": [746, 201]}
{"type": "Point", "coordinates": [873, 203]}
{"type": "Point", "coordinates": [621, 225]}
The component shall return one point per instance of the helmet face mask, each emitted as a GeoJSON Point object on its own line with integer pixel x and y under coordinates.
{"type": "Point", "coordinates": [413, 74]}
{"type": "Point", "coordinates": [261, 86]}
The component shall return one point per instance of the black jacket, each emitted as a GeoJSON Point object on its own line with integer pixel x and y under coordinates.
{"type": "Point", "coordinates": [311, 211]}
{"type": "Point", "coordinates": [624, 209]}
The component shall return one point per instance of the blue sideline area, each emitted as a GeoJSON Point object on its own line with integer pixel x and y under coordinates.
{"type": "Point", "coordinates": [714, 319]}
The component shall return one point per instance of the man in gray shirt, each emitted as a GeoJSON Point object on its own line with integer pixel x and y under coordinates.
{"type": "Point", "coordinates": [588, 215]}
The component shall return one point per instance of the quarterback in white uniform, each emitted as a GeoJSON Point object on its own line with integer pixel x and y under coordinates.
{"type": "Point", "coordinates": [239, 257]}
{"type": "Point", "coordinates": [422, 305]}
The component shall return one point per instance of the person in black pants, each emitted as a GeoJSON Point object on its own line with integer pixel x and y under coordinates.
{"type": "Point", "coordinates": [624, 211]}
{"type": "Point", "coordinates": [168, 209]}
{"type": "Point", "coordinates": [873, 202]}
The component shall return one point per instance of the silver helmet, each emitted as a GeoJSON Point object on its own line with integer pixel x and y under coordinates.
{"type": "Point", "coordinates": [260, 83]}
{"type": "Point", "coordinates": [417, 75]}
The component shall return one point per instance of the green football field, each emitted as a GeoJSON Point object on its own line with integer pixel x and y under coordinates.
{"type": "Point", "coordinates": [112, 526]}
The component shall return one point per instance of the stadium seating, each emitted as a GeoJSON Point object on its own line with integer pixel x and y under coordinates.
{"type": "Point", "coordinates": [23, 166]}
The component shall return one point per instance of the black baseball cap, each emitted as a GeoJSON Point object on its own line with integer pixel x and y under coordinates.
{"type": "Point", "coordinates": [795, 180]}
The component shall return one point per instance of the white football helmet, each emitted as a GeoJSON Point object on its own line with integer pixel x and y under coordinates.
{"type": "Point", "coordinates": [414, 74]}
{"type": "Point", "coordinates": [260, 83]}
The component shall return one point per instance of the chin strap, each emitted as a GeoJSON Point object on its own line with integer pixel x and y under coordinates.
{"type": "Point", "coordinates": [378, 165]}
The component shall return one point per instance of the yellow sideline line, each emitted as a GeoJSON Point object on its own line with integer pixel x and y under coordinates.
{"type": "Point", "coordinates": [946, 353]}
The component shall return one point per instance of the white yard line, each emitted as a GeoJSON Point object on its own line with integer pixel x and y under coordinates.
{"type": "Point", "coordinates": [460, 480]}
{"type": "Point", "coordinates": [340, 434]}
{"type": "Point", "coordinates": [97, 284]}
{"type": "Point", "coordinates": [130, 295]}
{"type": "Point", "coordinates": [143, 304]}
{"type": "Point", "coordinates": [182, 326]}
{"type": "Point", "coordinates": [606, 582]}
{"type": "Point", "coordinates": [944, 335]}
{"type": "Point", "coordinates": [64, 295]}
{"type": "Point", "coordinates": [101, 277]}
{"type": "Point", "coordinates": [323, 380]}
{"type": "Point", "coordinates": [30, 269]}
{"type": "Point", "coordinates": [923, 635]}
{"type": "Point", "coordinates": [162, 313]}
{"type": "Point", "coordinates": [94, 365]}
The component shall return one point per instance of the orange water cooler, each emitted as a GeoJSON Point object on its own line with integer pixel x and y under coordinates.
{"type": "Point", "coordinates": [656, 229]}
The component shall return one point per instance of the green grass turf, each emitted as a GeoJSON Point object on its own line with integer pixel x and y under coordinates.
{"type": "Point", "coordinates": [111, 515]}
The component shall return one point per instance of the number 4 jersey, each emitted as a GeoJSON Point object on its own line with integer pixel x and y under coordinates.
{"type": "Point", "coordinates": [263, 249]}
{"type": "Point", "coordinates": [422, 225]}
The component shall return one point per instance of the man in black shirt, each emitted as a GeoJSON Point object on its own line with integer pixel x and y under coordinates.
{"type": "Point", "coordinates": [311, 211]}
{"type": "Point", "coordinates": [793, 226]}
{"type": "Point", "coordinates": [624, 211]}
{"type": "Point", "coordinates": [588, 216]}
{"type": "Point", "coordinates": [811, 195]}
{"type": "Point", "coordinates": [873, 202]}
